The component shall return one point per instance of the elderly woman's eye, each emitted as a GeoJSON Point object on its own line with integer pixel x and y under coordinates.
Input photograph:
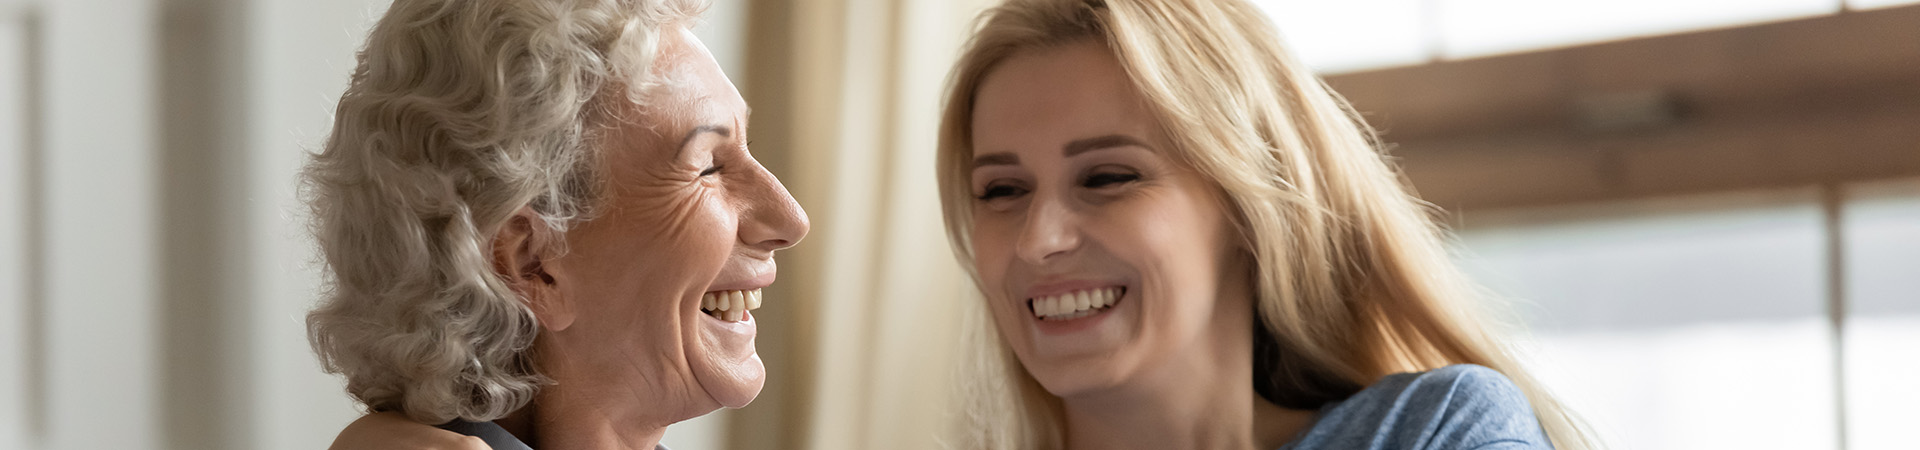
{"type": "Point", "coordinates": [711, 170]}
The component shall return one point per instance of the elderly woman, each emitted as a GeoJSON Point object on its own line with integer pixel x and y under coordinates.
{"type": "Point", "coordinates": [542, 223]}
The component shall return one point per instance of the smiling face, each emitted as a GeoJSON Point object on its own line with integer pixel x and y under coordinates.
{"type": "Point", "coordinates": [688, 216]}
{"type": "Point", "coordinates": [1077, 195]}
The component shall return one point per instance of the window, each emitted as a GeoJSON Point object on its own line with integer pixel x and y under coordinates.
{"type": "Point", "coordinates": [1368, 34]}
{"type": "Point", "coordinates": [1698, 322]}
{"type": "Point", "coordinates": [1869, 4]}
{"type": "Point", "coordinates": [1353, 35]}
{"type": "Point", "coordinates": [1881, 333]}
{"type": "Point", "coordinates": [1471, 28]}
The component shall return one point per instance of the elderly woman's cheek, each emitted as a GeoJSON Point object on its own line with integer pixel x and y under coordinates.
{"type": "Point", "coordinates": [690, 211]}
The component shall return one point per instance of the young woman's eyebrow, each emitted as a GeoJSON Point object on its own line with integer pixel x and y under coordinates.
{"type": "Point", "coordinates": [1076, 147]}
{"type": "Point", "coordinates": [996, 159]}
{"type": "Point", "coordinates": [1099, 142]}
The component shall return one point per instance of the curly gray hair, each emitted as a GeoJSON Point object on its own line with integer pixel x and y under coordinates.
{"type": "Point", "coordinates": [459, 114]}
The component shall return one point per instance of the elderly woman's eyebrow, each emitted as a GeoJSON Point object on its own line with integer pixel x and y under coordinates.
{"type": "Point", "coordinates": [721, 130]}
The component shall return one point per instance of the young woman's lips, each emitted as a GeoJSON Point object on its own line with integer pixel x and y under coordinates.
{"type": "Point", "coordinates": [1074, 310]}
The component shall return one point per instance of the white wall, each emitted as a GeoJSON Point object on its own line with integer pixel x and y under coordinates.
{"type": "Point", "coordinates": [14, 195]}
{"type": "Point", "coordinates": [133, 339]}
{"type": "Point", "coordinates": [297, 64]}
{"type": "Point", "coordinates": [96, 225]}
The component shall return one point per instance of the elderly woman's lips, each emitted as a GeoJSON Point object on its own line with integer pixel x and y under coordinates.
{"type": "Point", "coordinates": [763, 276]}
{"type": "Point", "coordinates": [731, 305]}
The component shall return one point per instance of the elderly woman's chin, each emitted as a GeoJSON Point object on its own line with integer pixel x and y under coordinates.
{"type": "Point", "coordinates": [725, 363]}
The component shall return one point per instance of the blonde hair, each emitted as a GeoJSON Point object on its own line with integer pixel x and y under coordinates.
{"type": "Point", "coordinates": [1353, 281]}
{"type": "Point", "coordinates": [459, 114]}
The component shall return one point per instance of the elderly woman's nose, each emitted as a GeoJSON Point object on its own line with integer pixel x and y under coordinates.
{"type": "Point", "coordinates": [774, 220]}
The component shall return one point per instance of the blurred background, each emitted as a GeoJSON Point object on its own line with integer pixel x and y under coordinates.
{"type": "Point", "coordinates": [1706, 212]}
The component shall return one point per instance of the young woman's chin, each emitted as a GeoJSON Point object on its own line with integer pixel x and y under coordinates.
{"type": "Point", "coordinates": [1090, 353]}
{"type": "Point", "coordinates": [1069, 382]}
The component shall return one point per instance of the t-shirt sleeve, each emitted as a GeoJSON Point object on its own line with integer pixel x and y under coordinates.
{"type": "Point", "coordinates": [1459, 407]}
{"type": "Point", "coordinates": [1463, 407]}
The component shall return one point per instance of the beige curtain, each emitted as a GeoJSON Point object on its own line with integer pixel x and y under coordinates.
{"type": "Point", "coordinates": [861, 332]}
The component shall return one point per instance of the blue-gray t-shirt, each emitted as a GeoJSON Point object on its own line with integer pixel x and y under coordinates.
{"type": "Point", "coordinates": [1458, 407]}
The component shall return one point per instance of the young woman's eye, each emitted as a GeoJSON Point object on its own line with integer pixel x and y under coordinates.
{"type": "Point", "coordinates": [1001, 191]}
{"type": "Point", "coordinates": [1100, 180]}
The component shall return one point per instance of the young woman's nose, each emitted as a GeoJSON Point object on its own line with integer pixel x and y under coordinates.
{"type": "Point", "coordinates": [1050, 230]}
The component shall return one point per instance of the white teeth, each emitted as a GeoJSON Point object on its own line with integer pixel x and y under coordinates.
{"type": "Point", "coordinates": [731, 306]}
{"type": "Point", "coordinates": [1074, 305]}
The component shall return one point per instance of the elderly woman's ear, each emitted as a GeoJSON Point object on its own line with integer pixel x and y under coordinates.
{"type": "Point", "coordinates": [520, 256]}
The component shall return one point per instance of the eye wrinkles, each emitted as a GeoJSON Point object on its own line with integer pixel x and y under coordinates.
{"type": "Point", "coordinates": [686, 143]}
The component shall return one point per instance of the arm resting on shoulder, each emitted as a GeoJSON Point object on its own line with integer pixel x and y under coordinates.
{"type": "Point", "coordinates": [394, 431]}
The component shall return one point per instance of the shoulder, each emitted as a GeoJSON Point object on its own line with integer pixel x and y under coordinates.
{"type": "Point", "coordinates": [1460, 388]}
{"type": "Point", "coordinates": [491, 435]}
{"type": "Point", "coordinates": [1454, 407]}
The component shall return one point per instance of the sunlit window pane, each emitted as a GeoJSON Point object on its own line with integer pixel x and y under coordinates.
{"type": "Point", "coordinates": [1867, 4]}
{"type": "Point", "coordinates": [1482, 27]}
{"type": "Point", "coordinates": [1341, 36]}
{"type": "Point", "coordinates": [1674, 324]}
{"type": "Point", "coordinates": [1882, 333]}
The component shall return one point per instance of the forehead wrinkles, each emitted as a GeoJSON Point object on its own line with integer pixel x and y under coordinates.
{"type": "Point", "coordinates": [668, 105]}
{"type": "Point", "coordinates": [665, 93]}
{"type": "Point", "coordinates": [677, 101]}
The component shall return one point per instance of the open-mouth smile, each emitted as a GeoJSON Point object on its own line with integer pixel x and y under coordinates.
{"type": "Point", "coordinates": [730, 305]}
{"type": "Point", "coordinates": [1076, 304]}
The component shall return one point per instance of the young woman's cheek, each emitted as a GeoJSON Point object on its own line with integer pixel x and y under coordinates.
{"type": "Point", "coordinates": [995, 233]}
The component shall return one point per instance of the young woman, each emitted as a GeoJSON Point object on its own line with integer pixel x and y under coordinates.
{"type": "Point", "coordinates": [1185, 240]}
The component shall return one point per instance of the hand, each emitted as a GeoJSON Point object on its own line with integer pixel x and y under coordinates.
{"type": "Point", "coordinates": [394, 431]}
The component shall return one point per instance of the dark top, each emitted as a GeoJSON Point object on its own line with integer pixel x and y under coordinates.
{"type": "Point", "coordinates": [495, 437]}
